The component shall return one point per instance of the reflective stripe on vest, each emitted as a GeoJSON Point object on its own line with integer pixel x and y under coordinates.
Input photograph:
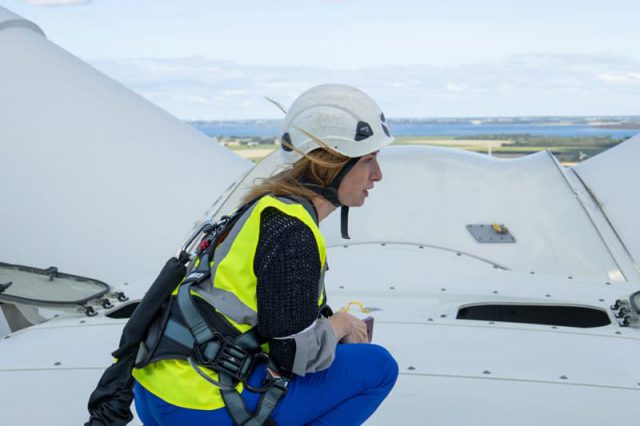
{"type": "Point", "coordinates": [231, 288]}
{"type": "Point", "coordinates": [232, 291]}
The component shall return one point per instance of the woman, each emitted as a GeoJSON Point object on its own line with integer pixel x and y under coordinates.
{"type": "Point", "coordinates": [266, 275]}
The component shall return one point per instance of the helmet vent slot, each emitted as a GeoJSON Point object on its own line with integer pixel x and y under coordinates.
{"type": "Point", "coordinates": [363, 131]}
{"type": "Point", "coordinates": [286, 146]}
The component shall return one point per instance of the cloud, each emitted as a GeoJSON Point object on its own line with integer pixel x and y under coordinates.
{"type": "Point", "coordinates": [539, 84]}
{"type": "Point", "coordinates": [57, 2]}
{"type": "Point", "coordinates": [624, 79]}
{"type": "Point", "coordinates": [570, 60]}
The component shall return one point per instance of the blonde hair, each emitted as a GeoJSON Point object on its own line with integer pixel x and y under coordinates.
{"type": "Point", "coordinates": [319, 167]}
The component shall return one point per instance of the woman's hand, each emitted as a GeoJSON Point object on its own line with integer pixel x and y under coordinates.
{"type": "Point", "coordinates": [348, 329]}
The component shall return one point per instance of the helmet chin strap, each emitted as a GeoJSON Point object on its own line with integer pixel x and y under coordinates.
{"type": "Point", "coordinates": [330, 192]}
{"type": "Point", "coordinates": [344, 222]}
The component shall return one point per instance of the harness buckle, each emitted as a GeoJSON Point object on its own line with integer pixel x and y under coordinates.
{"type": "Point", "coordinates": [272, 380]}
{"type": "Point", "coordinates": [223, 355]}
{"type": "Point", "coordinates": [279, 382]}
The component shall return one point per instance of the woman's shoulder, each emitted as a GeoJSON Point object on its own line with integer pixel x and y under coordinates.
{"type": "Point", "coordinates": [285, 240]}
{"type": "Point", "coordinates": [296, 206]}
{"type": "Point", "coordinates": [277, 223]}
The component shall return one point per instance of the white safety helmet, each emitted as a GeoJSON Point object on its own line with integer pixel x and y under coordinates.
{"type": "Point", "coordinates": [340, 116]}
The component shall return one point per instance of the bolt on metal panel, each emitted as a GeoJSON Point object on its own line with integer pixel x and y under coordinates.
{"type": "Point", "coordinates": [491, 233]}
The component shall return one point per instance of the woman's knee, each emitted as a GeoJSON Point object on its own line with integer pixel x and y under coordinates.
{"type": "Point", "coordinates": [379, 368]}
{"type": "Point", "coordinates": [385, 363]}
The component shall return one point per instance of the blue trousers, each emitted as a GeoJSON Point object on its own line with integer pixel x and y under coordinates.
{"type": "Point", "coordinates": [347, 393]}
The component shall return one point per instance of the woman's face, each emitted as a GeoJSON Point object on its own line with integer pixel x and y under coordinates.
{"type": "Point", "coordinates": [356, 184]}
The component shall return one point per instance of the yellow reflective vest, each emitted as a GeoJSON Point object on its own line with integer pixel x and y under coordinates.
{"type": "Point", "coordinates": [231, 291]}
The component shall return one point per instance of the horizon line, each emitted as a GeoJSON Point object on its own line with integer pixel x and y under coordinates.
{"type": "Point", "coordinates": [591, 116]}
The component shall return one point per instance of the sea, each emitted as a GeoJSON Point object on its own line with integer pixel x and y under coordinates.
{"type": "Point", "coordinates": [268, 129]}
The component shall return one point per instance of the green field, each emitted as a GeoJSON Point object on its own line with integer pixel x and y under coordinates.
{"type": "Point", "coordinates": [567, 149]}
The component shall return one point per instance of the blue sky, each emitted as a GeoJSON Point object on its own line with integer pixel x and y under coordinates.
{"type": "Point", "coordinates": [218, 59]}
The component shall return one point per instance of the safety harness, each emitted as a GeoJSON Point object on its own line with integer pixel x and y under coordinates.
{"type": "Point", "coordinates": [191, 330]}
{"type": "Point", "coordinates": [166, 327]}
{"type": "Point", "coordinates": [233, 358]}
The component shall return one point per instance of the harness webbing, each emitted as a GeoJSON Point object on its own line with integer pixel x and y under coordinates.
{"type": "Point", "coordinates": [179, 334]}
{"type": "Point", "coordinates": [202, 337]}
{"type": "Point", "coordinates": [250, 341]}
{"type": "Point", "coordinates": [197, 325]}
{"type": "Point", "coordinates": [269, 400]}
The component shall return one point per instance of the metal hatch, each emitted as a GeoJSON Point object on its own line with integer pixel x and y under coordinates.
{"type": "Point", "coordinates": [28, 285]}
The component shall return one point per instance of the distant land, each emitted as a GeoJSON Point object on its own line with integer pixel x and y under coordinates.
{"type": "Point", "coordinates": [633, 120]}
{"type": "Point", "coordinates": [571, 139]}
{"type": "Point", "coordinates": [460, 126]}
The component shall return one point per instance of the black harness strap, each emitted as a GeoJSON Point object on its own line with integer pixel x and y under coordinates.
{"type": "Point", "coordinates": [207, 342]}
{"type": "Point", "coordinates": [278, 387]}
{"type": "Point", "coordinates": [233, 401]}
{"type": "Point", "coordinates": [197, 325]}
{"type": "Point", "coordinates": [204, 337]}
{"type": "Point", "coordinates": [179, 334]}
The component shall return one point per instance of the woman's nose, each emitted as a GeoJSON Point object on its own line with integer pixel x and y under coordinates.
{"type": "Point", "coordinates": [377, 172]}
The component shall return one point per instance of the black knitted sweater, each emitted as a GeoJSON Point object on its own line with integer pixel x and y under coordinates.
{"type": "Point", "coordinates": [287, 266]}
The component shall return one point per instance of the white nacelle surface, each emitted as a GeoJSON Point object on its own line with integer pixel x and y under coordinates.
{"type": "Point", "coordinates": [95, 180]}
{"type": "Point", "coordinates": [613, 179]}
{"type": "Point", "coordinates": [460, 372]}
{"type": "Point", "coordinates": [429, 195]}
{"type": "Point", "coordinates": [451, 370]}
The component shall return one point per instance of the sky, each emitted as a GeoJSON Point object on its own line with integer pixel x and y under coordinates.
{"type": "Point", "coordinates": [218, 60]}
